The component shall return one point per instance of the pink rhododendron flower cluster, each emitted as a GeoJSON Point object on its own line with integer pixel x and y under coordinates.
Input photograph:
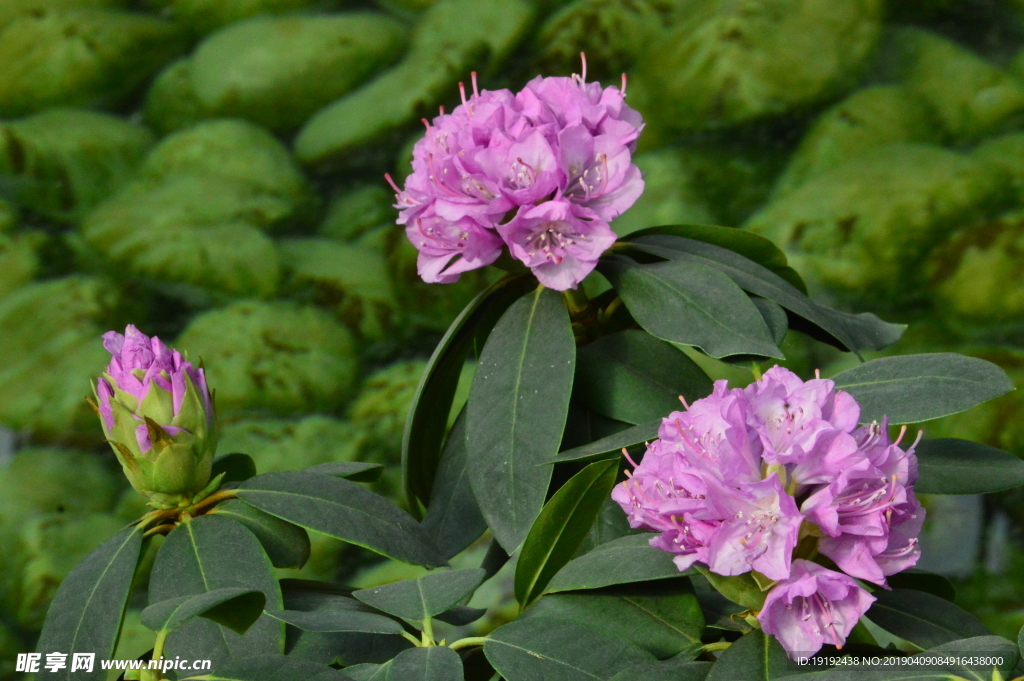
{"type": "Point", "coordinates": [542, 171]}
{"type": "Point", "coordinates": [743, 476]}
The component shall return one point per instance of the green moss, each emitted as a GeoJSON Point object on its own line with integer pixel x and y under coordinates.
{"type": "Point", "coordinates": [382, 406]}
{"type": "Point", "coordinates": [273, 357]}
{"type": "Point", "coordinates": [204, 16]}
{"type": "Point", "coordinates": [671, 195]}
{"type": "Point", "coordinates": [725, 62]}
{"type": "Point", "coordinates": [80, 58]}
{"type": "Point", "coordinates": [868, 245]}
{"type": "Point", "coordinates": [42, 480]}
{"type": "Point", "coordinates": [360, 208]}
{"type": "Point", "coordinates": [290, 445]}
{"type": "Point", "coordinates": [171, 101]}
{"type": "Point", "coordinates": [19, 259]}
{"type": "Point", "coordinates": [65, 161]}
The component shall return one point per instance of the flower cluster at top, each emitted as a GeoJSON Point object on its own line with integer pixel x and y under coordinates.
{"type": "Point", "coordinates": [542, 171]}
{"type": "Point", "coordinates": [743, 477]}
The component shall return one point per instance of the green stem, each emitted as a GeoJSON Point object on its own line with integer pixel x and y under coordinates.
{"type": "Point", "coordinates": [428, 633]}
{"type": "Point", "coordinates": [756, 370]}
{"type": "Point", "coordinates": [158, 649]}
{"type": "Point", "coordinates": [415, 641]}
{"type": "Point", "coordinates": [713, 647]}
{"type": "Point", "coordinates": [467, 642]}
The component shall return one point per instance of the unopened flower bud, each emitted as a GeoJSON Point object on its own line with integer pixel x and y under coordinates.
{"type": "Point", "coordinates": [158, 415]}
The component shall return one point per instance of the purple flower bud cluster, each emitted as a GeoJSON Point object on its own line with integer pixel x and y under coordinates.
{"type": "Point", "coordinates": [542, 171]}
{"type": "Point", "coordinates": [743, 476]}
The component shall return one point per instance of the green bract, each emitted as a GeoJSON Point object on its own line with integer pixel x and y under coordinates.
{"type": "Point", "coordinates": [725, 62]}
{"type": "Point", "coordinates": [65, 161]}
{"type": "Point", "coordinates": [274, 357]}
{"type": "Point", "coordinates": [87, 57]}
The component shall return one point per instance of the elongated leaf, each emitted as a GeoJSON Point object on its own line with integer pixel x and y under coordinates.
{"type": "Point", "coordinates": [634, 377]}
{"type": "Point", "coordinates": [919, 580]}
{"type": "Point", "coordinates": [432, 403]}
{"type": "Point", "coordinates": [719, 611]}
{"type": "Point", "coordinates": [548, 648]}
{"type": "Point", "coordinates": [923, 619]}
{"type": "Point", "coordinates": [669, 670]}
{"type": "Point", "coordinates": [273, 668]}
{"type": "Point", "coordinates": [610, 447]}
{"type": "Point", "coordinates": [663, 618]}
{"type": "Point", "coordinates": [461, 615]}
{"type": "Point", "coordinates": [774, 317]}
{"type": "Point", "coordinates": [751, 246]}
{"type": "Point", "coordinates": [913, 388]}
{"type": "Point", "coordinates": [952, 466]}
{"type": "Point", "coordinates": [206, 554]}
{"type": "Point", "coordinates": [369, 672]}
{"type": "Point", "coordinates": [516, 412]}
{"type": "Point", "coordinates": [621, 561]}
{"type": "Point", "coordinates": [560, 528]}
{"type": "Point", "coordinates": [236, 608]}
{"type": "Point", "coordinates": [338, 621]}
{"type": "Point", "coordinates": [848, 331]}
{"type": "Point", "coordinates": [690, 304]}
{"type": "Point", "coordinates": [453, 518]}
{"type": "Point", "coordinates": [418, 599]}
{"type": "Point", "coordinates": [740, 589]}
{"type": "Point", "coordinates": [287, 545]}
{"type": "Point", "coordinates": [611, 524]}
{"type": "Point", "coordinates": [437, 663]}
{"type": "Point", "coordinates": [753, 657]}
{"type": "Point", "coordinates": [920, 668]}
{"type": "Point", "coordinates": [86, 612]}
{"type": "Point", "coordinates": [345, 510]}
{"type": "Point", "coordinates": [235, 467]}
{"type": "Point", "coordinates": [357, 471]}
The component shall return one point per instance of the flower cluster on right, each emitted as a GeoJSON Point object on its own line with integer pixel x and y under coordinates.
{"type": "Point", "coordinates": [766, 478]}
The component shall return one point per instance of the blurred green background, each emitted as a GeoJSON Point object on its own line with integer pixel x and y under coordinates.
{"type": "Point", "coordinates": [211, 171]}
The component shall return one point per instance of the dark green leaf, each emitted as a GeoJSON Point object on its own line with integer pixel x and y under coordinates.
{"type": "Point", "coordinates": [516, 412]}
{"type": "Point", "coordinates": [774, 317]}
{"type": "Point", "coordinates": [432, 403]}
{"type": "Point", "coordinates": [719, 611]}
{"type": "Point", "coordinates": [287, 545]}
{"type": "Point", "coordinates": [86, 612]}
{"type": "Point", "coordinates": [952, 466]}
{"type": "Point", "coordinates": [546, 648]}
{"type": "Point", "coordinates": [273, 668]}
{"type": "Point", "coordinates": [919, 580]}
{"type": "Point", "coordinates": [345, 510]}
{"type": "Point", "coordinates": [235, 467]}
{"type": "Point", "coordinates": [753, 657]}
{"type": "Point", "coordinates": [560, 529]}
{"type": "Point", "coordinates": [418, 599]}
{"type": "Point", "coordinates": [610, 447]}
{"type": "Point", "coordinates": [625, 560]}
{"type": "Point", "coordinates": [740, 589]}
{"type": "Point", "coordinates": [338, 621]}
{"type": "Point", "coordinates": [848, 331]}
{"type": "Point", "coordinates": [921, 618]}
{"type": "Point", "coordinates": [632, 376]}
{"type": "Point", "coordinates": [747, 244]}
{"type": "Point", "coordinates": [611, 524]}
{"type": "Point", "coordinates": [461, 615]}
{"type": "Point", "coordinates": [236, 608]}
{"type": "Point", "coordinates": [494, 560]}
{"type": "Point", "coordinates": [453, 518]}
{"type": "Point", "coordinates": [663, 618]}
{"type": "Point", "coordinates": [437, 663]}
{"type": "Point", "coordinates": [978, 647]}
{"type": "Point", "coordinates": [206, 554]}
{"type": "Point", "coordinates": [913, 388]}
{"type": "Point", "coordinates": [369, 672]}
{"type": "Point", "coordinates": [690, 304]}
{"type": "Point", "coordinates": [356, 471]}
{"type": "Point", "coordinates": [669, 670]}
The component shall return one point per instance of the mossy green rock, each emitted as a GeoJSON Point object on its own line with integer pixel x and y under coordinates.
{"type": "Point", "coordinates": [80, 58]}
{"type": "Point", "coordinates": [670, 196]}
{"type": "Point", "coordinates": [452, 38]}
{"type": "Point", "coordinates": [278, 71]}
{"type": "Point", "coordinates": [1006, 153]}
{"type": "Point", "coordinates": [612, 33]}
{"type": "Point", "coordinates": [19, 259]}
{"type": "Point", "coordinates": [730, 61]}
{"type": "Point", "coordinates": [65, 161]}
{"type": "Point", "coordinates": [53, 545]}
{"type": "Point", "coordinates": [44, 480]}
{"type": "Point", "coordinates": [382, 406]}
{"type": "Point", "coordinates": [291, 445]}
{"type": "Point", "coordinates": [869, 118]}
{"type": "Point", "coordinates": [351, 279]}
{"type": "Point", "coordinates": [50, 341]}
{"type": "Point", "coordinates": [844, 233]}
{"type": "Point", "coordinates": [204, 16]}
{"type": "Point", "coordinates": [976, 275]}
{"type": "Point", "coordinates": [276, 357]}
{"type": "Point", "coordinates": [361, 208]}
{"type": "Point", "coordinates": [972, 97]}
{"type": "Point", "coordinates": [171, 101]}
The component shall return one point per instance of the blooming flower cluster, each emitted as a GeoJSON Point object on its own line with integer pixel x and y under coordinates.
{"type": "Point", "coordinates": [743, 476]}
{"type": "Point", "coordinates": [542, 171]}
